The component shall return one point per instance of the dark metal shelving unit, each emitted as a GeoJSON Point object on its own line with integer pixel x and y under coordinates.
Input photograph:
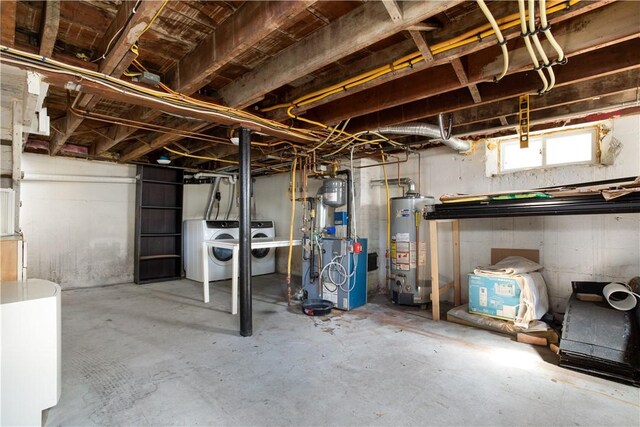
{"type": "Point", "coordinates": [158, 244]}
{"type": "Point", "coordinates": [576, 205]}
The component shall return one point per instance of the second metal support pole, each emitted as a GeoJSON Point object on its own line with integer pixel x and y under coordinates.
{"type": "Point", "coordinates": [246, 322]}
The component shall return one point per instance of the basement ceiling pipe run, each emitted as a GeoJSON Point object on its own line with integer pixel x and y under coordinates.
{"type": "Point", "coordinates": [425, 129]}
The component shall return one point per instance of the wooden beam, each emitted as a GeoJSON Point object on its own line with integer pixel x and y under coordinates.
{"type": "Point", "coordinates": [49, 28]}
{"type": "Point", "coordinates": [161, 141]}
{"type": "Point", "coordinates": [456, 63]}
{"type": "Point", "coordinates": [128, 96]}
{"type": "Point", "coordinates": [443, 58]}
{"type": "Point", "coordinates": [8, 20]}
{"type": "Point", "coordinates": [115, 61]}
{"type": "Point", "coordinates": [592, 89]}
{"type": "Point", "coordinates": [615, 59]}
{"type": "Point", "coordinates": [424, 27]}
{"type": "Point", "coordinates": [565, 112]}
{"type": "Point", "coordinates": [393, 9]}
{"type": "Point", "coordinates": [482, 66]}
{"type": "Point", "coordinates": [330, 77]}
{"type": "Point", "coordinates": [422, 45]}
{"type": "Point", "coordinates": [350, 33]}
{"type": "Point", "coordinates": [250, 24]}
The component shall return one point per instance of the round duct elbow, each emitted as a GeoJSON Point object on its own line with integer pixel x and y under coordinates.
{"type": "Point", "coordinates": [430, 131]}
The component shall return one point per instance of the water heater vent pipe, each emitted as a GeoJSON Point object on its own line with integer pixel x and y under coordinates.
{"type": "Point", "coordinates": [405, 182]}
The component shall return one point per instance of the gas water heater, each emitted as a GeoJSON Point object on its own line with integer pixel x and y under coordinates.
{"type": "Point", "coordinates": [408, 283]}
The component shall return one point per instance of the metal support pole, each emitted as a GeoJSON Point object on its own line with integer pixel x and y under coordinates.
{"type": "Point", "coordinates": [246, 326]}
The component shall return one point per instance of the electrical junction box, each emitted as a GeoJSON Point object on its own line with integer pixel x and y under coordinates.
{"type": "Point", "coordinates": [494, 296]}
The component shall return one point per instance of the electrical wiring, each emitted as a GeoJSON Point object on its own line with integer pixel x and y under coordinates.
{"type": "Point", "coordinates": [148, 126]}
{"type": "Point", "coordinates": [501, 40]}
{"type": "Point", "coordinates": [471, 36]}
{"type": "Point", "coordinates": [525, 35]}
{"type": "Point", "coordinates": [546, 29]}
{"type": "Point", "coordinates": [194, 156]}
{"type": "Point", "coordinates": [536, 41]}
{"type": "Point", "coordinates": [121, 86]}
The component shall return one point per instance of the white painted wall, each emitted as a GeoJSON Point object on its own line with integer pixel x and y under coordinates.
{"type": "Point", "coordinates": [589, 247]}
{"type": "Point", "coordinates": [78, 234]}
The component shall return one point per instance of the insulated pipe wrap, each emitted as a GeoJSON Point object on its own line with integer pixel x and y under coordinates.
{"type": "Point", "coordinates": [425, 129]}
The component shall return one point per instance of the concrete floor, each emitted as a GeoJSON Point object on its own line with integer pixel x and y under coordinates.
{"type": "Point", "coordinates": [156, 355]}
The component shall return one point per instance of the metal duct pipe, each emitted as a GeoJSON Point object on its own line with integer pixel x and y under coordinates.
{"type": "Point", "coordinates": [406, 182]}
{"type": "Point", "coordinates": [214, 190]}
{"type": "Point", "coordinates": [425, 129]}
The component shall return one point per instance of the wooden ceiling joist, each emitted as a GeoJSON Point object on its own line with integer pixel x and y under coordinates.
{"type": "Point", "coordinates": [593, 33]}
{"type": "Point", "coordinates": [446, 33]}
{"type": "Point", "coordinates": [592, 65]}
{"type": "Point", "coordinates": [49, 27]}
{"type": "Point", "coordinates": [115, 61]}
{"type": "Point", "coordinates": [565, 112]}
{"type": "Point", "coordinates": [458, 68]}
{"type": "Point", "coordinates": [422, 46]}
{"type": "Point", "coordinates": [592, 89]}
{"type": "Point", "coordinates": [8, 10]}
{"type": "Point", "coordinates": [253, 22]}
{"type": "Point", "coordinates": [354, 31]}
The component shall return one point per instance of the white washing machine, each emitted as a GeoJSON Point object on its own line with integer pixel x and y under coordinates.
{"type": "Point", "coordinates": [220, 262]}
{"type": "Point", "coordinates": [263, 261]}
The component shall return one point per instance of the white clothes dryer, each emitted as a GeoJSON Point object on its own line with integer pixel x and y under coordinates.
{"type": "Point", "coordinates": [220, 260]}
{"type": "Point", "coordinates": [263, 261]}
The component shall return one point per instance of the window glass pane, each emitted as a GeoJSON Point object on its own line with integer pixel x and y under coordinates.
{"type": "Point", "coordinates": [513, 157]}
{"type": "Point", "coordinates": [569, 148]}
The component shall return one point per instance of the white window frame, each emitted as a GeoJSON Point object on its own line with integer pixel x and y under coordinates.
{"type": "Point", "coordinates": [595, 131]}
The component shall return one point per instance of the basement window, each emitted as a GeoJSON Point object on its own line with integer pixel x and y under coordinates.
{"type": "Point", "coordinates": [559, 148]}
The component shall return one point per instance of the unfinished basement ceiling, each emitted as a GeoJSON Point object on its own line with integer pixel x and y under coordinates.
{"type": "Point", "coordinates": [257, 55]}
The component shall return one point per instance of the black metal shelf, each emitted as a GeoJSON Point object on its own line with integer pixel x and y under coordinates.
{"type": "Point", "coordinates": [162, 207]}
{"type": "Point", "coordinates": [152, 257]}
{"type": "Point", "coordinates": [156, 181]}
{"type": "Point", "coordinates": [576, 205]}
{"type": "Point", "coordinates": [158, 251]}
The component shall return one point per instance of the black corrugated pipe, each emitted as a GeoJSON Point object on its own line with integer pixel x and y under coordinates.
{"type": "Point", "coordinates": [347, 172]}
{"type": "Point", "coordinates": [246, 322]}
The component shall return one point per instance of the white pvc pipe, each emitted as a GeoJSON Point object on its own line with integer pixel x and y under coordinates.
{"type": "Point", "coordinates": [527, 42]}
{"type": "Point", "coordinates": [536, 41]}
{"type": "Point", "coordinates": [230, 177]}
{"type": "Point", "coordinates": [78, 178]}
{"type": "Point", "coordinates": [496, 29]}
{"type": "Point", "coordinates": [544, 24]}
